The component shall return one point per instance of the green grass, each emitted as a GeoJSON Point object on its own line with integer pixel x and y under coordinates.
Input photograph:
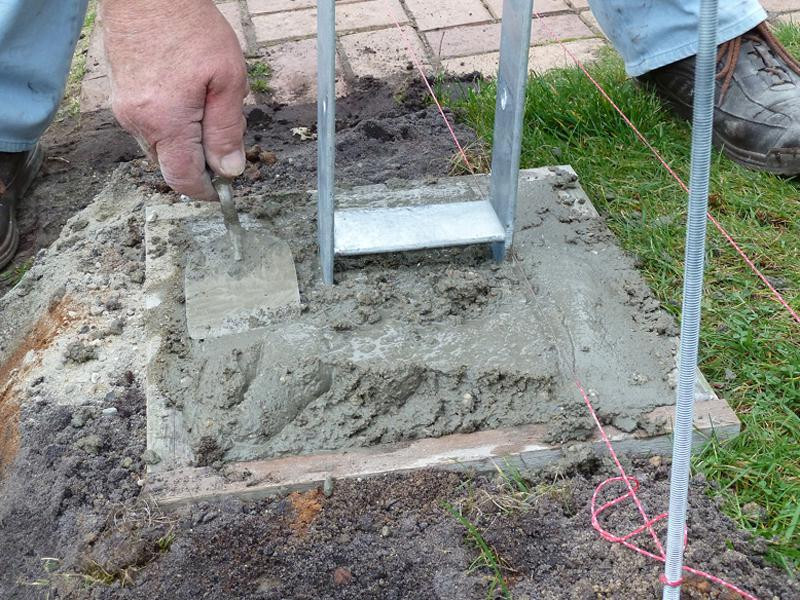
{"type": "Point", "coordinates": [750, 346]}
{"type": "Point", "coordinates": [70, 104]}
{"type": "Point", "coordinates": [487, 557]}
{"type": "Point", "coordinates": [259, 74]}
{"type": "Point", "coordinates": [13, 274]}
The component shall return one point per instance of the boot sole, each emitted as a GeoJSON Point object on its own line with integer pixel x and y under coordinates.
{"type": "Point", "coordinates": [9, 246]}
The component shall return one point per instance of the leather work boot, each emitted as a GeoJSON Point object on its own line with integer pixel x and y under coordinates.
{"type": "Point", "coordinates": [17, 170]}
{"type": "Point", "coordinates": [757, 116]}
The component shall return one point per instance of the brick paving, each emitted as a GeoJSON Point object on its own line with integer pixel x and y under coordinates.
{"type": "Point", "coordinates": [448, 36]}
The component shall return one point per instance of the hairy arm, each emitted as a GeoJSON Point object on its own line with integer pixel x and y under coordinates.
{"type": "Point", "coordinates": [178, 80]}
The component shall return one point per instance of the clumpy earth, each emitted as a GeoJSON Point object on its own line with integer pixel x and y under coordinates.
{"type": "Point", "coordinates": [74, 523]}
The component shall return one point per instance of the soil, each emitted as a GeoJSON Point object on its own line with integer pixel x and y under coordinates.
{"type": "Point", "coordinates": [74, 523]}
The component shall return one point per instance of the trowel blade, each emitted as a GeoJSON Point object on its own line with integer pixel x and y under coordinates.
{"type": "Point", "coordinates": [226, 297]}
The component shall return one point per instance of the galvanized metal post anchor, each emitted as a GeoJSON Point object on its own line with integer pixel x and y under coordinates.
{"type": "Point", "coordinates": [326, 131]}
{"type": "Point", "coordinates": [509, 114]}
{"type": "Point", "coordinates": [702, 127]}
{"type": "Point", "coordinates": [349, 232]}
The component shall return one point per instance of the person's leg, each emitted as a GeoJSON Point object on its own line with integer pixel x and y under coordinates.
{"type": "Point", "coordinates": [757, 117]}
{"type": "Point", "coordinates": [653, 33]}
{"type": "Point", "coordinates": [37, 39]}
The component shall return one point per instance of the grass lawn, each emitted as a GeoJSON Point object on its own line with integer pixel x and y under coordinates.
{"type": "Point", "coordinates": [750, 346]}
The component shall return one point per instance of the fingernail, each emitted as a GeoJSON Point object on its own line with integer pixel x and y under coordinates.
{"type": "Point", "coordinates": [232, 164]}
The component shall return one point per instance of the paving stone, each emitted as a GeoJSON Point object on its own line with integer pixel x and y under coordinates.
{"type": "Point", "coordinates": [777, 6]}
{"type": "Point", "coordinates": [96, 65]}
{"type": "Point", "coordinates": [542, 7]}
{"type": "Point", "coordinates": [382, 53]}
{"type": "Point", "coordinates": [540, 58]}
{"type": "Point", "coordinates": [294, 71]}
{"type": "Point", "coordinates": [350, 16]}
{"type": "Point", "coordinates": [792, 17]}
{"type": "Point", "coordinates": [579, 4]}
{"type": "Point", "coordinates": [479, 39]}
{"type": "Point", "coordinates": [447, 13]}
{"type": "Point", "coordinates": [588, 18]}
{"type": "Point", "coordinates": [281, 26]}
{"type": "Point", "coordinates": [95, 94]}
{"type": "Point", "coordinates": [233, 14]}
{"type": "Point", "coordinates": [256, 7]}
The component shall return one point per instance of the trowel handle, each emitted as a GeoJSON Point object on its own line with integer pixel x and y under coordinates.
{"type": "Point", "coordinates": [229, 214]}
{"type": "Point", "coordinates": [225, 193]}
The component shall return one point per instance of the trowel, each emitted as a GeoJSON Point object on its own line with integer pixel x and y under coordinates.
{"type": "Point", "coordinates": [236, 281]}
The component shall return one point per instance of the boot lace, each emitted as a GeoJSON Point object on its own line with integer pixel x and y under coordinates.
{"type": "Point", "coordinates": [728, 57]}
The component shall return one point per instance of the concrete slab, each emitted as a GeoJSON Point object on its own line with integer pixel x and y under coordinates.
{"type": "Point", "coordinates": [439, 358]}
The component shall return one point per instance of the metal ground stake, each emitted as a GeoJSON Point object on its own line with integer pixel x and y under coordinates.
{"type": "Point", "coordinates": [703, 120]}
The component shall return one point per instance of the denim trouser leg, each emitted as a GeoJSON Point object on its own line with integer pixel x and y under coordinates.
{"type": "Point", "coordinates": [653, 33]}
{"type": "Point", "coordinates": [37, 39]}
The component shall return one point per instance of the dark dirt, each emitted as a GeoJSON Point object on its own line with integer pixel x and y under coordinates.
{"type": "Point", "coordinates": [79, 155]}
{"type": "Point", "coordinates": [74, 525]}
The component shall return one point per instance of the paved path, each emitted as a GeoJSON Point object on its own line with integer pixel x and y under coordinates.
{"type": "Point", "coordinates": [449, 36]}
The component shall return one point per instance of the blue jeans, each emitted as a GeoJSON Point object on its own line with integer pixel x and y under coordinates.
{"type": "Point", "coordinates": [653, 33]}
{"type": "Point", "coordinates": [38, 37]}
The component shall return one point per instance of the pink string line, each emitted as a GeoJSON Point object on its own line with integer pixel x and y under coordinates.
{"type": "Point", "coordinates": [648, 523]}
{"type": "Point", "coordinates": [631, 493]}
{"type": "Point", "coordinates": [776, 294]}
{"type": "Point", "coordinates": [418, 65]}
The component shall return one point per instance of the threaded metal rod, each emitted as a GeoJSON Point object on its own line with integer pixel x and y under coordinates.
{"type": "Point", "coordinates": [702, 123]}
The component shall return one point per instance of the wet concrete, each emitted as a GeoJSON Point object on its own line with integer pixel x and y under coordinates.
{"type": "Point", "coordinates": [409, 346]}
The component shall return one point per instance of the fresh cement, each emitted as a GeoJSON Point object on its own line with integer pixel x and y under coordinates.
{"type": "Point", "coordinates": [407, 346]}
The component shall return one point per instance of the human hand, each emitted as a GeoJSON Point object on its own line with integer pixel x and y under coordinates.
{"type": "Point", "coordinates": [178, 81]}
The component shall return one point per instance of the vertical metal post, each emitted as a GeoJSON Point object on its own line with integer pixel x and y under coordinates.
{"type": "Point", "coordinates": [326, 131]}
{"type": "Point", "coordinates": [702, 124]}
{"type": "Point", "coordinates": [512, 77]}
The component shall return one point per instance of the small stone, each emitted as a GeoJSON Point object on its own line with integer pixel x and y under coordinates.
{"type": "Point", "coordinates": [137, 276]}
{"type": "Point", "coordinates": [385, 531]}
{"type": "Point", "coordinates": [110, 411]}
{"type": "Point", "coordinates": [151, 457]}
{"type": "Point", "coordinates": [78, 419]}
{"type": "Point", "coordinates": [625, 423]}
{"type": "Point", "coordinates": [267, 157]}
{"type": "Point", "coordinates": [94, 377]}
{"type": "Point", "coordinates": [342, 576]}
{"type": "Point", "coordinates": [126, 462]}
{"type": "Point", "coordinates": [79, 352]}
{"type": "Point", "coordinates": [729, 375]}
{"type": "Point", "coordinates": [252, 173]}
{"type": "Point", "coordinates": [89, 443]}
{"type": "Point", "coordinates": [96, 311]}
{"type": "Point", "coordinates": [113, 304]}
{"type": "Point", "coordinates": [116, 326]}
{"type": "Point", "coordinates": [327, 487]}
{"type": "Point", "coordinates": [655, 461]}
{"type": "Point", "coordinates": [253, 153]}
{"type": "Point", "coordinates": [79, 224]}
